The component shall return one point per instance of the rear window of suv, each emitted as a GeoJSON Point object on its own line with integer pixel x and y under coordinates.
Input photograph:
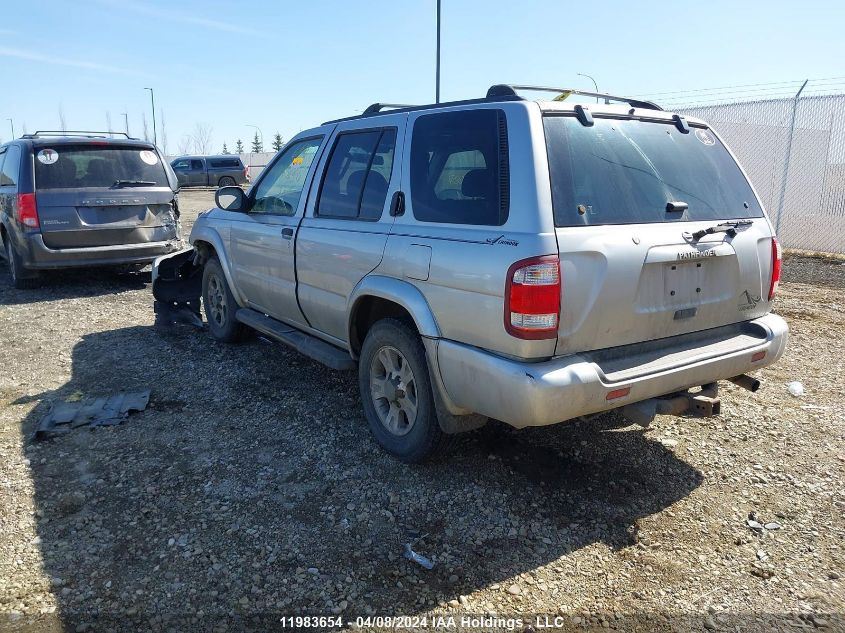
{"type": "Point", "coordinates": [626, 171]}
{"type": "Point", "coordinates": [96, 166]}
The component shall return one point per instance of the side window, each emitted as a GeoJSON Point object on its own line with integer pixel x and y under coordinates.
{"type": "Point", "coordinates": [11, 166]}
{"type": "Point", "coordinates": [358, 175]}
{"type": "Point", "coordinates": [281, 187]}
{"type": "Point", "coordinates": [459, 168]}
{"type": "Point", "coordinates": [196, 164]}
{"type": "Point", "coordinates": [181, 164]}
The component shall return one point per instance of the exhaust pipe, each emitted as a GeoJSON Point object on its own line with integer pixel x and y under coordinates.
{"type": "Point", "coordinates": [746, 382]}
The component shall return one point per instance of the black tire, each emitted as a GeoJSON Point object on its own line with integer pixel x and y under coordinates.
{"type": "Point", "coordinates": [411, 442]}
{"type": "Point", "coordinates": [16, 270]}
{"type": "Point", "coordinates": [219, 304]}
{"type": "Point", "coordinates": [226, 181]}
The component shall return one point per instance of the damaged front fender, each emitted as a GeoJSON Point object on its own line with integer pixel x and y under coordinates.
{"type": "Point", "coordinates": [177, 287]}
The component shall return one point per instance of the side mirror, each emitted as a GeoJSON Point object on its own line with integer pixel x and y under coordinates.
{"type": "Point", "coordinates": [231, 199]}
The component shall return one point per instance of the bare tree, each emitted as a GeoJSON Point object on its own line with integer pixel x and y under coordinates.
{"type": "Point", "coordinates": [145, 127]}
{"type": "Point", "coordinates": [185, 144]}
{"type": "Point", "coordinates": [108, 122]}
{"type": "Point", "coordinates": [24, 129]}
{"type": "Point", "coordinates": [202, 138]}
{"type": "Point", "coordinates": [62, 121]}
{"type": "Point", "coordinates": [163, 135]}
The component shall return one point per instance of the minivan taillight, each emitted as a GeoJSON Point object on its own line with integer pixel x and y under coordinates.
{"type": "Point", "coordinates": [27, 213]}
{"type": "Point", "coordinates": [532, 298]}
{"type": "Point", "coordinates": [777, 257]}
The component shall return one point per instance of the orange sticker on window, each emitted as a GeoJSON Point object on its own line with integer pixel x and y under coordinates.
{"type": "Point", "coordinates": [298, 160]}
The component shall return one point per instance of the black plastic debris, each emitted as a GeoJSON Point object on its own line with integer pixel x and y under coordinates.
{"type": "Point", "coordinates": [106, 411]}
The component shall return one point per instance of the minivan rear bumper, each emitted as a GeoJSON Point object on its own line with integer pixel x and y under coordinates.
{"type": "Point", "coordinates": [536, 394]}
{"type": "Point", "coordinates": [38, 256]}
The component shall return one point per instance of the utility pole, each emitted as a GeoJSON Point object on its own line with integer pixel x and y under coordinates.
{"type": "Point", "coordinates": [12, 123]}
{"type": "Point", "coordinates": [785, 178]}
{"type": "Point", "coordinates": [126, 122]}
{"type": "Point", "coordinates": [437, 89]}
{"type": "Point", "coordinates": [153, 100]}
{"type": "Point", "coordinates": [595, 85]}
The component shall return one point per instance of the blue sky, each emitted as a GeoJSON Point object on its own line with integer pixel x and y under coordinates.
{"type": "Point", "coordinates": [285, 66]}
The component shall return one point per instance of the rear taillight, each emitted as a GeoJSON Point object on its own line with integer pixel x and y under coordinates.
{"type": "Point", "coordinates": [532, 298]}
{"type": "Point", "coordinates": [27, 213]}
{"type": "Point", "coordinates": [777, 256]}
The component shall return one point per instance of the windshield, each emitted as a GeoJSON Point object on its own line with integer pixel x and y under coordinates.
{"type": "Point", "coordinates": [627, 171]}
{"type": "Point", "coordinates": [81, 166]}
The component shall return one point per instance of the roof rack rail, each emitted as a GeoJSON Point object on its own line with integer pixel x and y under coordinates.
{"type": "Point", "coordinates": [378, 107]}
{"type": "Point", "coordinates": [510, 90]}
{"type": "Point", "coordinates": [85, 133]}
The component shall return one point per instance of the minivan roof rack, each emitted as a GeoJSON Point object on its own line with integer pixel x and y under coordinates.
{"type": "Point", "coordinates": [85, 133]}
{"type": "Point", "coordinates": [510, 90]}
{"type": "Point", "coordinates": [378, 107]}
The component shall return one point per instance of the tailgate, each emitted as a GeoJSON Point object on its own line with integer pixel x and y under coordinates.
{"type": "Point", "coordinates": [102, 193]}
{"type": "Point", "coordinates": [76, 219]}
{"type": "Point", "coordinates": [646, 282]}
{"type": "Point", "coordinates": [632, 199]}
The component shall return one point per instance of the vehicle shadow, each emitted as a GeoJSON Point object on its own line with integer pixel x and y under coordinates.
{"type": "Point", "coordinates": [71, 284]}
{"type": "Point", "coordinates": [251, 488]}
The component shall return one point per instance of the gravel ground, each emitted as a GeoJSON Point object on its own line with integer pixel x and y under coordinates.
{"type": "Point", "coordinates": [250, 489]}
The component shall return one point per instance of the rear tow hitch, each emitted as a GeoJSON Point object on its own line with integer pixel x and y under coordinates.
{"type": "Point", "coordinates": [700, 404]}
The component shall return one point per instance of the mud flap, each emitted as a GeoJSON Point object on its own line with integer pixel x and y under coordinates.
{"type": "Point", "coordinates": [177, 287]}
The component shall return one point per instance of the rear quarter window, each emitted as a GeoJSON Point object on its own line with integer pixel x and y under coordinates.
{"type": "Point", "coordinates": [11, 166]}
{"type": "Point", "coordinates": [459, 168]}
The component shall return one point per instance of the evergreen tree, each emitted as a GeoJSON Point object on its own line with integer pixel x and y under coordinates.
{"type": "Point", "coordinates": [225, 149]}
{"type": "Point", "coordinates": [277, 142]}
{"type": "Point", "coordinates": [257, 147]}
{"type": "Point", "coordinates": [239, 147]}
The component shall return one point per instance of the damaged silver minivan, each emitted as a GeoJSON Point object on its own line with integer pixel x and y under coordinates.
{"type": "Point", "coordinates": [532, 261]}
{"type": "Point", "coordinates": [84, 199]}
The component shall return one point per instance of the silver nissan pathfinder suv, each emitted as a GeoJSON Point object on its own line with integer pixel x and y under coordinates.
{"type": "Point", "coordinates": [529, 261]}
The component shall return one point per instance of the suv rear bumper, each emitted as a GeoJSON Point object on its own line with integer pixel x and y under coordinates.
{"type": "Point", "coordinates": [38, 256]}
{"type": "Point", "coordinates": [536, 394]}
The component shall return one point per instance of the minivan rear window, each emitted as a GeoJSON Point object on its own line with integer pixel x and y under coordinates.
{"type": "Point", "coordinates": [626, 171]}
{"type": "Point", "coordinates": [97, 166]}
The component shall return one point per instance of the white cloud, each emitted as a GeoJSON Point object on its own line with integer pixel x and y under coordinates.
{"type": "Point", "coordinates": [57, 60]}
{"type": "Point", "coordinates": [175, 16]}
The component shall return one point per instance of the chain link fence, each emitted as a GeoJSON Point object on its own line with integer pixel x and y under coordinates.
{"type": "Point", "coordinates": [793, 150]}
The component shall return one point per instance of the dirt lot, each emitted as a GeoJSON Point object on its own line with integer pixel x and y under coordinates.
{"type": "Point", "coordinates": [250, 489]}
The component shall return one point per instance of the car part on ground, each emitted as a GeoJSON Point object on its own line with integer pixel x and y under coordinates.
{"type": "Point", "coordinates": [97, 411]}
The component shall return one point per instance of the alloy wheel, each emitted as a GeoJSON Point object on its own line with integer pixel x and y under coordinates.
{"type": "Point", "coordinates": [393, 389]}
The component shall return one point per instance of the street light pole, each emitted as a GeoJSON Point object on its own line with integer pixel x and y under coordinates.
{"type": "Point", "coordinates": [595, 85]}
{"type": "Point", "coordinates": [437, 89]}
{"type": "Point", "coordinates": [153, 100]}
{"type": "Point", "coordinates": [12, 123]}
{"type": "Point", "coordinates": [126, 122]}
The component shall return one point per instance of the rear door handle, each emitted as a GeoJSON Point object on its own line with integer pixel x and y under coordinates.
{"type": "Point", "coordinates": [287, 234]}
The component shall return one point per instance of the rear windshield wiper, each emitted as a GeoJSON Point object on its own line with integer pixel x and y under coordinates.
{"type": "Point", "coordinates": [724, 227]}
{"type": "Point", "coordinates": [134, 183]}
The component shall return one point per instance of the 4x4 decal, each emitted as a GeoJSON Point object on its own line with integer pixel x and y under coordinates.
{"type": "Point", "coordinates": [747, 301]}
{"type": "Point", "coordinates": [501, 240]}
